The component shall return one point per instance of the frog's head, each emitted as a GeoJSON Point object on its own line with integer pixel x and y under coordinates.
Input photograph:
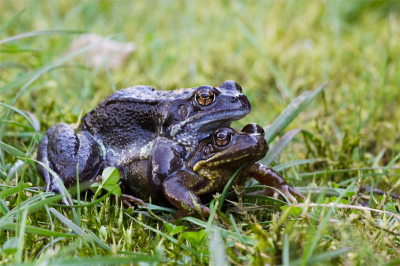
{"type": "Point", "coordinates": [227, 149]}
{"type": "Point", "coordinates": [205, 109]}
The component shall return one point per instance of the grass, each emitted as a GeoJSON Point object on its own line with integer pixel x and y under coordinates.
{"type": "Point", "coordinates": [349, 134]}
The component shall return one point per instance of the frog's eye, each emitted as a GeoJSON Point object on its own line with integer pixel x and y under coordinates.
{"type": "Point", "coordinates": [205, 97]}
{"type": "Point", "coordinates": [222, 138]}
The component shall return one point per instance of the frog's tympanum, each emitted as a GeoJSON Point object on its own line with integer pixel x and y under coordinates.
{"type": "Point", "coordinates": [138, 125]}
{"type": "Point", "coordinates": [206, 170]}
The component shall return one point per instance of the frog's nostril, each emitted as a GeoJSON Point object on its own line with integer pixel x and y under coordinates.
{"type": "Point", "coordinates": [238, 88]}
{"type": "Point", "coordinates": [233, 99]}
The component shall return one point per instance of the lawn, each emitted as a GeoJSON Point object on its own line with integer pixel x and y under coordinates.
{"type": "Point", "coordinates": [333, 143]}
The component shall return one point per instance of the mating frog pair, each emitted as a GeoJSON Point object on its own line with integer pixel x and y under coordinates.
{"type": "Point", "coordinates": [171, 145]}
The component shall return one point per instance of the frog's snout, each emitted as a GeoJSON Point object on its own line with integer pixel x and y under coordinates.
{"type": "Point", "coordinates": [231, 85]}
{"type": "Point", "coordinates": [253, 128]}
{"type": "Point", "coordinates": [255, 138]}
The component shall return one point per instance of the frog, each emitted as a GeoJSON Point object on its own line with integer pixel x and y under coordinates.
{"type": "Point", "coordinates": [136, 124]}
{"type": "Point", "coordinates": [206, 170]}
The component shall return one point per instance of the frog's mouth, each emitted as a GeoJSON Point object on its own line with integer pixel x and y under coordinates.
{"type": "Point", "coordinates": [200, 126]}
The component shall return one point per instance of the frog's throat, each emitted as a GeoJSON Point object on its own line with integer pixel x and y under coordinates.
{"type": "Point", "coordinates": [194, 128]}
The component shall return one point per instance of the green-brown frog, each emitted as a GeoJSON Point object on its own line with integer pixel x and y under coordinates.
{"type": "Point", "coordinates": [206, 170]}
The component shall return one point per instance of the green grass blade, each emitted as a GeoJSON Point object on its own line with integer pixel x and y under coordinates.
{"type": "Point", "coordinates": [391, 163]}
{"type": "Point", "coordinates": [68, 223]}
{"type": "Point", "coordinates": [187, 248]}
{"type": "Point", "coordinates": [285, 251]}
{"type": "Point", "coordinates": [93, 203]}
{"type": "Point", "coordinates": [99, 242]}
{"type": "Point", "coordinates": [33, 206]}
{"type": "Point", "coordinates": [237, 231]}
{"type": "Point", "coordinates": [12, 190]}
{"type": "Point", "coordinates": [40, 33]}
{"type": "Point", "coordinates": [36, 198]}
{"type": "Point", "coordinates": [21, 236]}
{"type": "Point", "coordinates": [217, 248]}
{"type": "Point", "coordinates": [322, 258]}
{"type": "Point", "coordinates": [290, 113]}
{"type": "Point", "coordinates": [24, 115]}
{"type": "Point", "coordinates": [51, 243]}
{"type": "Point", "coordinates": [227, 186]}
{"type": "Point", "coordinates": [261, 197]}
{"type": "Point", "coordinates": [279, 147]}
{"type": "Point", "coordinates": [16, 50]}
{"type": "Point", "coordinates": [341, 171]}
{"type": "Point", "coordinates": [102, 261]}
{"type": "Point", "coordinates": [211, 218]}
{"type": "Point", "coordinates": [283, 166]}
{"type": "Point", "coordinates": [4, 209]}
{"type": "Point", "coordinates": [11, 150]}
{"type": "Point", "coordinates": [34, 230]}
{"type": "Point", "coordinates": [11, 21]}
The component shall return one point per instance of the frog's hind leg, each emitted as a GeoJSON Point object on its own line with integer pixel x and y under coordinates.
{"type": "Point", "coordinates": [269, 177]}
{"type": "Point", "coordinates": [61, 149]}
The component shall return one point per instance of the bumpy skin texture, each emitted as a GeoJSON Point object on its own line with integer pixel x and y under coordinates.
{"type": "Point", "coordinates": [129, 120]}
{"type": "Point", "coordinates": [210, 166]}
{"type": "Point", "coordinates": [139, 124]}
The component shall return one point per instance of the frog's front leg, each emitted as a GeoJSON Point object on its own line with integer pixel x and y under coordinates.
{"type": "Point", "coordinates": [269, 177]}
{"type": "Point", "coordinates": [179, 189]}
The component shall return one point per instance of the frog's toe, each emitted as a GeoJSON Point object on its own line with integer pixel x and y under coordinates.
{"type": "Point", "coordinates": [290, 192]}
{"type": "Point", "coordinates": [129, 198]}
{"type": "Point", "coordinates": [296, 193]}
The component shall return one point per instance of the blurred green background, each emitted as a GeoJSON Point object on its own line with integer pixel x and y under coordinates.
{"type": "Point", "coordinates": [275, 49]}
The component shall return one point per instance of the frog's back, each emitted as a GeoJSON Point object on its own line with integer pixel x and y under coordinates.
{"type": "Point", "coordinates": [131, 118]}
{"type": "Point", "coordinates": [141, 93]}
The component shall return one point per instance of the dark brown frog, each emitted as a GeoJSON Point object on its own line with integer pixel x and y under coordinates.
{"type": "Point", "coordinates": [206, 170]}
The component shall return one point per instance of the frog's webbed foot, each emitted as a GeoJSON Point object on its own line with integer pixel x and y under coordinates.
{"type": "Point", "coordinates": [269, 177]}
{"type": "Point", "coordinates": [128, 198]}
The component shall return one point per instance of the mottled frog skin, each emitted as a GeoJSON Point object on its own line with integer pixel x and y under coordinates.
{"type": "Point", "coordinates": [137, 124]}
{"type": "Point", "coordinates": [206, 170]}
